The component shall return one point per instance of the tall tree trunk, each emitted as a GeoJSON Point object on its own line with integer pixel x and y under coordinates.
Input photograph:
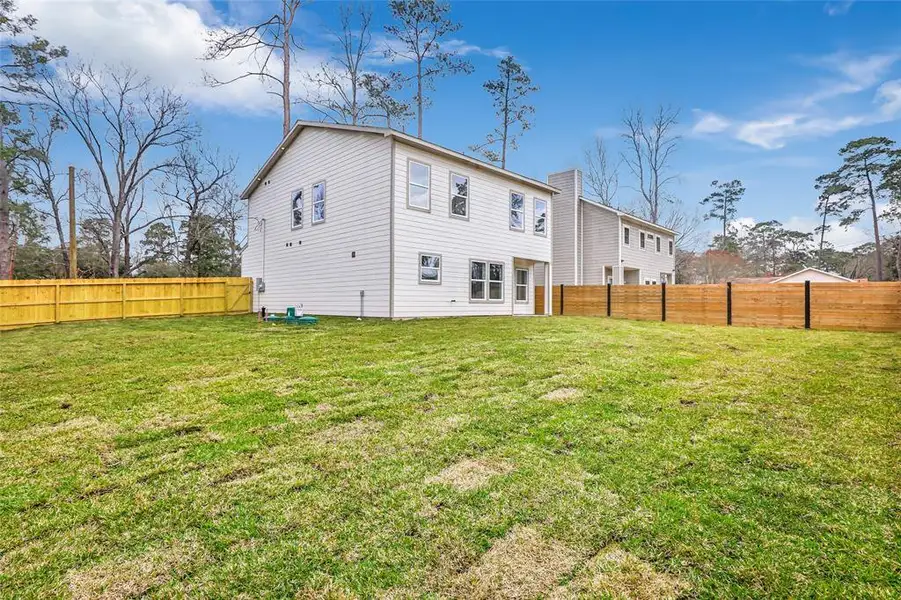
{"type": "Point", "coordinates": [6, 251]}
{"type": "Point", "coordinates": [506, 122]}
{"type": "Point", "coordinates": [115, 243]}
{"type": "Point", "coordinates": [286, 72]}
{"type": "Point", "coordinates": [823, 233]}
{"type": "Point", "coordinates": [419, 99]}
{"type": "Point", "coordinates": [875, 224]}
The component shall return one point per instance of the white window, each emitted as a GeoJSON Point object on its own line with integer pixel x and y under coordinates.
{"type": "Point", "coordinates": [297, 210]}
{"type": "Point", "coordinates": [641, 237]}
{"type": "Point", "coordinates": [486, 280]}
{"type": "Point", "coordinates": [430, 268]}
{"type": "Point", "coordinates": [626, 232]}
{"type": "Point", "coordinates": [658, 244]}
{"type": "Point", "coordinates": [522, 285]}
{"type": "Point", "coordinates": [318, 202]}
{"type": "Point", "coordinates": [459, 192]}
{"type": "Point", "coordinates": [671, 247]}
{"type": "Point", "coordinates": [419, 188]}
{"type": "Point", "coordinates": [517, 211]}
{"type": "Point", "coordinates": [495, 281]}
{"type": "Point", "coordinates": [540, 216]}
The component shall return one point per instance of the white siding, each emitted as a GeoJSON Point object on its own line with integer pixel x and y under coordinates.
{"type": "Point", "coordinates": [648, 260]}
{"type": "Point", "coordinates": [565, 231]}
{"type": "Point", "coordinates": [600, 251]}
{"type": "Point", "coordinates": [317, 269]}
{"type": "Point", "coordinates": [813, 276]}
{"type": "Point", "coordinates": [486, 235]}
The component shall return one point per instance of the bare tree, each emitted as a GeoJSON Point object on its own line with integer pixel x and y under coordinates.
{"type": "Point", "coordinates": [509, 93]}
{"type": "Point", "coordinates": [125, 124]}
{"type": "Point", "coordinates": [380, 90]}
{"type": "Point", "coordinates": [194, 185]}
{"type": "Point", "coordinates": [421, 26]}
{"type": "Point", "coordinates": [650, 149]}
{"type": "Point", "coordinates": [338, 93]}
{"type": "Point", "coordinates": [602, 176]}
{"type": "Point", "coordinates": [39, 169]}
{"type": "Point", "coordinates": [231, 213]}
{"type": "Point", "coordinates": [259, 46]}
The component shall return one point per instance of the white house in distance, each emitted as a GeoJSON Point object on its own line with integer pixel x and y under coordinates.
{"type": "Point", "coordinates": [596, 244]}
{"type": "Point", "coordinates": [368, 221]}
{"type": "Point", "coordinates": [811, 274]}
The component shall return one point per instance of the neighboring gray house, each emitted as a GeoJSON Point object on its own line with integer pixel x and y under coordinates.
{"type": "Point", "coordinates": [596, 244]}
{"type": "Point", "coordinates": [354, 220]}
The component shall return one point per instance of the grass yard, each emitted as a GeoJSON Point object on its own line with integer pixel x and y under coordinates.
{"type": "Point", "coordinates": [564, 457]}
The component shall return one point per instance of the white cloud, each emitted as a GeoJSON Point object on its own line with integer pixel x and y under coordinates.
{"type": "Point", "coordinates": [709, 122]}
{"type": "Point", "coordinates": [808, 116]}
{"type": "Point", "coordinates": [838, 8]}
{"type": "Point", "coordinates": [163, 40]}
{"type": "Point", "coordinates": [889, 95]}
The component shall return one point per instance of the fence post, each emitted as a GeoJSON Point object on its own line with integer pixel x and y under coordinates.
{"type": "Point", "coordinates": [609, 294]}
{"type": "Point", "coordinates": [56, 305]}
{"type": "Point", "coordinates": [561, 299]}
{"type": "Point", "coordinates": [807, 304]}
{"type": "Point", "coordinates": [124, 293]}
{"type": "Point", "coordinates": [225, 296]}
{"type": "Point", "coordinates": [181, 298]}
{"type": "Point", "coordinates": [728, 303]}
{"type": "Point", "coordinates": [663, 301]}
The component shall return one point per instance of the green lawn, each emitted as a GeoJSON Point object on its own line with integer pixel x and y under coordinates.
{"type": "Point", "coordinates": [493, 457]}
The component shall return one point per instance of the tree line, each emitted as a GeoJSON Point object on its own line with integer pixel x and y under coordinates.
{"type": "Point", "coordinates": [156, 200]}
{"type": "Point", "coordinates": [865, 188]}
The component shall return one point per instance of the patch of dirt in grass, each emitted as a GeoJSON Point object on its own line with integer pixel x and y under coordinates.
{"type": "Point", "coordinates": [616, 573]}
{"type": "Point", "coordinates": [470, 474]}
{"type": "Point", "coordinates": [203, 382]}
{"type": "Point", "coordinates": [304, 414]}
{"type": "Point", "coordinates": [347, 432]}
{"type": "Point", "coordinates": [562, 394]}
{"type": "Point", "coordinates": [452, 423]}
{"type": "Point", "coordinates": [162, 421]}
{"type": "Point", "coordinates": [286, 387]}
{"type": "Point", "coordinates": [135, 577]}
{"type": "Point", "coordinates": [78, 426]}
{"type": "Point", "coordinates": [523, 564]}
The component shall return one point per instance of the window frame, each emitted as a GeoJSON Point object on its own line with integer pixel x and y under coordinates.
{"type": "Point", "coordinates": [487, 281]}
{"type": "Point", "coordinates": [452, 193]}
{"type": "Point", "coordinates": [510, 211]}
{"type": "Point", "coordinates": [440, 267]}
{"type": "Point", "coordinates": [410, 163]}
{"type": "Point", "coordinates": [313, 202]}
{"type": "Point", "coordinates": [642, 240]}
{"type": "Point", "coordinates": [302, 193]}
{"type": "Point", "coordinates": [627, 236]}
{"type": "Point", "coordinates": [671, 245]}
{"type": "Point", "coordinates": [658, 245]}
{"type": "Point", "coordinates": [535, 201]}
{"type": "Point", "coordinates": [517, 285]}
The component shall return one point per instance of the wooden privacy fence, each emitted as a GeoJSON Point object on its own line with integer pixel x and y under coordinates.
{"type": "Point", "coordinates": [41, 301]}
{"type": "Point", "coordinates": [845, 306]}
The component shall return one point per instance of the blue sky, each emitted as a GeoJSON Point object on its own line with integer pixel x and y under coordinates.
{"type": "Point", "coordinates": [768, 92]}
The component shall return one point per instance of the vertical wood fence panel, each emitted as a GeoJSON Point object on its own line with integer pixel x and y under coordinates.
{"type": "Point", "coordinates": [539, 299]}
{"type": "Point", "coordinates": [768, 304]}
{"type": "Point", "coordinates": [845, 306]}
{"type": "Point", "coordinates": [700, 304]}
{"type": "Point", "coordinates": [40, 301]}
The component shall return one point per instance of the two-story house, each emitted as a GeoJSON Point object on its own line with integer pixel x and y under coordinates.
{"type": "Point", "coordinates": [596, 244]}
{"type": "Point", "coordinates": [368, 221]}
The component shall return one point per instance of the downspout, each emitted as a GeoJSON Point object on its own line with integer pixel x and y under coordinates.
{"type": "Point", "coordinates": [575, 227]}
{"type": "Point", "coordinates": [391, 237]}
{"type": "Point", "coordinates": [581, 242]}
{"type": "Point", "coordinates": [618, 269]}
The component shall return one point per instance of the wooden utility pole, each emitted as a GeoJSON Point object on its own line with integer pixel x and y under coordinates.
{"type": "Point", "coordinates": [6, 259]}
{"type": "Point", "coordinates": [73, 245]}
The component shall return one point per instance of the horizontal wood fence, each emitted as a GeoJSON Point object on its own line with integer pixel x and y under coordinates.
{"type": "Point", "coordinates": [844, 306]}
{"type": "Point", "coordinates": [41, 301]}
